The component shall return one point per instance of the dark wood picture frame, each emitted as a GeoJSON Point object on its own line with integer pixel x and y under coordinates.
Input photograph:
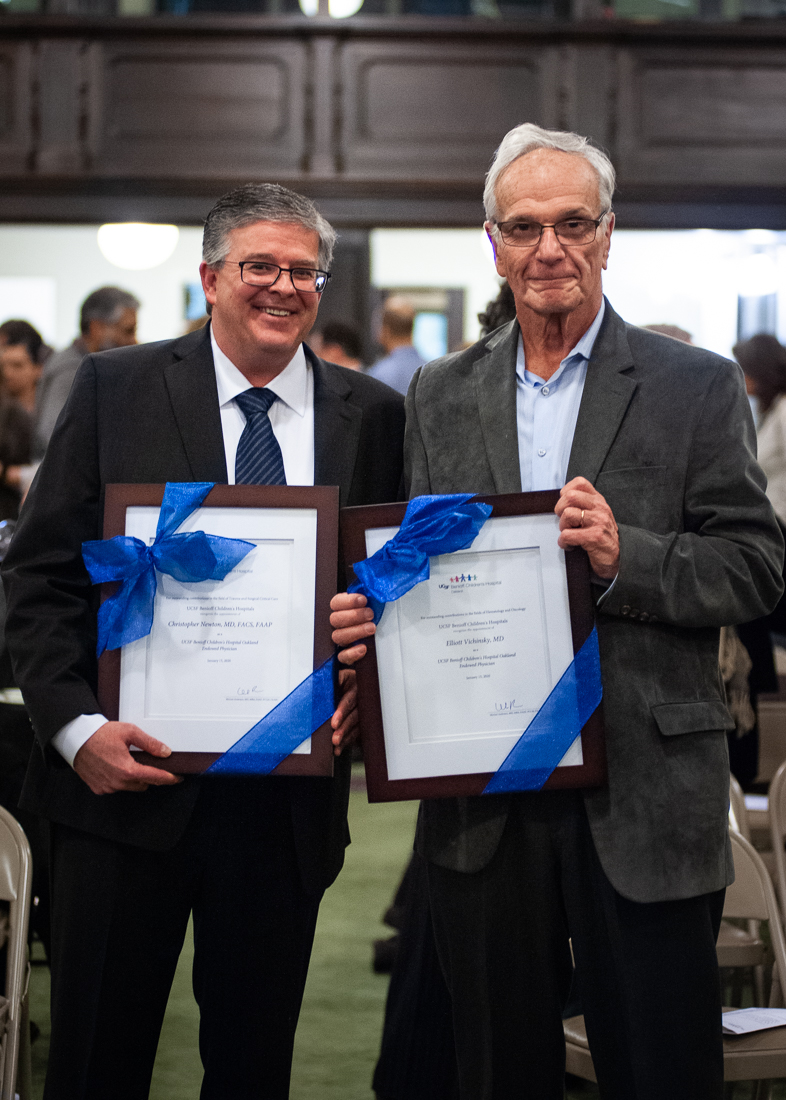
{"type": "Point", "coordinates": [591, 773]}
{"type": "Point", "coordinates": [324, 499]}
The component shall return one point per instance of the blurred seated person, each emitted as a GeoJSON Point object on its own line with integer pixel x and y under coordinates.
{"type": "Point", "coordinates": [108, 319]}
{"type": "Point", "coordinates": [19, 373]}
{"type": "Point", "coordinates": [401, 359]}
{"type": "Point", "coordinates": [339, 343]}
{"type": "Point", "coordinates": [17, 331]}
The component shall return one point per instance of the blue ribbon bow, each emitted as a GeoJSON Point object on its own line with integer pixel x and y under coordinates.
{"type": "Point", "coordinates": [432, 525]}
{"type": "Point", "coordinates": [196, 556]}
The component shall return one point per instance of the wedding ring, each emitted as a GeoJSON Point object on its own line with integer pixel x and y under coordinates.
{"type": "Point", "coordinates": [581, 524]}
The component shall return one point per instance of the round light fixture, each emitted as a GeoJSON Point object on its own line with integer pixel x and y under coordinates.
{"type": "Point", "coordinates": [337, 9]}
{"type": "Point", "coordinates": [137, 246]}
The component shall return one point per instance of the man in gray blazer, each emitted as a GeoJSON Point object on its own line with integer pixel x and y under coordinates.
{"type": "Point", "coordinates": [653, 446]}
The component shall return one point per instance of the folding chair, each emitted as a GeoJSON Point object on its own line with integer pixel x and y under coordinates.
{"type": "Point", "coordinates": [15, 889]}
{"type": "Point", "coordinates": [741, 947]}
{"type": "Point", "coordinates": [758, 1057]}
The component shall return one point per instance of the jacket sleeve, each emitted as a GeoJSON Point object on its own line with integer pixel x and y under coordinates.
{"type": "Point", "coordinates": [724, 566]}
{"type": "Point", "coordinates": [51, 620]}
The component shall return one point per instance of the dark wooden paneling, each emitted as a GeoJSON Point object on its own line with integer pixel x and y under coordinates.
{"type": "Point", "coordinates": [17, 112]}
{"type": "Point", "coordinates": [717, 118]}
{"type": "Point", "coordinates": [190, 109]}
{"type": "Point", "coordinates": [385, 121]}
{"type": "Point", "coordinates": [439, 110]}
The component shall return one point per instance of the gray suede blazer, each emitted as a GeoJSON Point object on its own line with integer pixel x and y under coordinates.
{"type": "Point", "coordinates": [664, 433]}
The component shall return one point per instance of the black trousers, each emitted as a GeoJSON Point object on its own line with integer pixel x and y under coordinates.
{"type": "Point", "coordinates": [647, 973]}
{"type": "Point", "coordinates": [120, 916]}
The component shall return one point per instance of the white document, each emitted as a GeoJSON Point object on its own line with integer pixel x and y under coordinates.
{"type": "Point", "coordinates": [222, 654]}
{"type": "Point", "coordinates": [467, 658]}
{"type": "Point", "coordinates": [742, 1021]}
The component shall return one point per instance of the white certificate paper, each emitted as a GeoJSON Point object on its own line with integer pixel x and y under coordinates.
{"type": "Point", "coordinates": [467, 658]}
{"type": "Point", "coordinates": [222, 654]}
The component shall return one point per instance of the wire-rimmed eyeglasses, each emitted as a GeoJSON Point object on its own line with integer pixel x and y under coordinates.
{"type": "Point", "coordinates": [262, 273]}
{"type": "Point", "coordinates": [526, 234]}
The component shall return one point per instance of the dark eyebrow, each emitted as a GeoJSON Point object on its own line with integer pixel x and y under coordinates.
{"type": "Point", "coordinates": [266, 257]}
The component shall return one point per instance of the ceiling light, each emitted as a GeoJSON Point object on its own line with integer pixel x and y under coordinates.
{"type": "Point", "coordinates": [137, 245]}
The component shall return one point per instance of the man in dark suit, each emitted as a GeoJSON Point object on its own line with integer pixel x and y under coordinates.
{"type": "Point", "coordinates": [135, 850]}
{"type": "Point", "coordinates": [652, 444]}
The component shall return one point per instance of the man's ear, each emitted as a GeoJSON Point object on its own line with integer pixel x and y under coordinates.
{"type": "Point", "coordinates": [208, 275]}
{"type": "Point", "coordinates": [609, 229]}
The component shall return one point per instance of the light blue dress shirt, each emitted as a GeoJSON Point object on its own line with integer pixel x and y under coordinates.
{"type": "Point", "coordinates": [546, 413]}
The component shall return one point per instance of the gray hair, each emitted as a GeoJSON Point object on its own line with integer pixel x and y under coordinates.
{"type": "Point", "coordinates": [528, 137]}
{"type": "Point", "coordinates": [106, 304]}
{"type": "Point", "coordinates": [263, 202]}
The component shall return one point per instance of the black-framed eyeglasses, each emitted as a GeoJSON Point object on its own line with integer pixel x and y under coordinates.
{"type": "Point", "coordinates": [526, 234]}
{"type": "Point", "coordinates": [261, 273]}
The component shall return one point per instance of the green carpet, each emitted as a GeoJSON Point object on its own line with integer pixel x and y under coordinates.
{"type": "Point", "coordinates": [340, 1025]}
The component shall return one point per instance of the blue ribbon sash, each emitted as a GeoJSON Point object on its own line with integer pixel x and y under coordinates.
{"type": "Point", "coordinates": [128, 614]}
{"type": "Point", "coordinates": [283, 728]}
{"type": "Point", "coordinates": [436, 525]}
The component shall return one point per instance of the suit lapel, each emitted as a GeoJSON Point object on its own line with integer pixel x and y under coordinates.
{"type": "Point", "coordinates": [191, 383]}
{"type": "Point", "coordinates": [607, 394]}
{"type": "Point", "coordinates": [494, 376]}
{"type": "Point", "coordinates": [336, 427]}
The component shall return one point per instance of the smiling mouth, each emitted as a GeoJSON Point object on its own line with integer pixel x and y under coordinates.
{"type": "Point", "coordinates": [276, 312]}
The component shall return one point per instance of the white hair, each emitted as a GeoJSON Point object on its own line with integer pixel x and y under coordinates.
{"type": "Point", "coordinates": [527, 137]}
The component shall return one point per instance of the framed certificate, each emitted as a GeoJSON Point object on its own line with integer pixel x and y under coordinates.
{"type": "Point", "coordinates": [222, 654]}
{"type": "Point", "coordinates": [462, 662]}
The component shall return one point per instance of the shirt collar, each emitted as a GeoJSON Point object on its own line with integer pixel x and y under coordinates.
{"type": "Point", "coordinates": [581, 350]}
{"type": "Point", "coordinates": [290, 386]}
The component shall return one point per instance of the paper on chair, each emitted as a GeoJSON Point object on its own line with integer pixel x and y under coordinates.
{"type": "Point", "coordinates": [742, 1021]}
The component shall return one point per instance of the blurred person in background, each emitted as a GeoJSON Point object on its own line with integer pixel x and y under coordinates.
{"type": "Point", "coordinates": [499, 311]}
{"type": "Point", "coordinates": [16, 331]}
{"type": "Point", "coordinates": [19, 372]}
{"type": "Point", "coordinates": [108, 319]}
{"type": "Point", "coordinates": [339, 343]}
{"type": "Point", "coordinates": [763, 362]}
{"type": "Point", "coordinates": [401, 358]}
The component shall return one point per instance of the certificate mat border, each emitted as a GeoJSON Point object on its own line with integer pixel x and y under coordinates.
{"type": "Point", "coordinates": [591, 773]}
{"type": "Point", "coordinates": [323, 499]}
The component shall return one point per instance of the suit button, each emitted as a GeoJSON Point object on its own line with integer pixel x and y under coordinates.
{"type": "Point", "coordinates": [634, 613]}
{"type": "Point", "coordinates": [653, 618]}
{"type": "Point", "coordinates": [644, 617]}
{"type": "Point", "coordinates": [625, 610]}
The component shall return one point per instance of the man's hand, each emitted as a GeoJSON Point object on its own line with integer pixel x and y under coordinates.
{"type": "Point", "coordinates": [352, 621]}
{"type": "Point", "coordinates": [585, 519]}
{"type": "Point", "coordinates": [345, 718]}
{"type": "Point", "coordinates": [106, 764]}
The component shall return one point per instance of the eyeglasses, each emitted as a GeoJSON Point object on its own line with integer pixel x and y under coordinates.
{"type": "Point", "coordinates": [257, 273]}
{"type": "Point", "coordinates": [524, 234]}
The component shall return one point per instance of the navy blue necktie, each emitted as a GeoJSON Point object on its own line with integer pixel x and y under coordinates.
{"type": "Point", "coordinates": [258, 460]}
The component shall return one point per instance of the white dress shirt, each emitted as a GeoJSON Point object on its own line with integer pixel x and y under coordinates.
{"type": "Point", "coordinates": [292, 420]}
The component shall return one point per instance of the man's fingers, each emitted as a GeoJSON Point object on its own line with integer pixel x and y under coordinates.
{"type": "Point", "coordinates": [153, 777]}
{"type": "Point", "coordinates": [345, 601]}
{"type": "Point", "coordinates": [352, 655]}
{"type": "Point", "coordinates": [141, 740]}
{"type": "Point", "coordinates": [350, 635]}
{"type": "Point", "coordinates": [357, 617]}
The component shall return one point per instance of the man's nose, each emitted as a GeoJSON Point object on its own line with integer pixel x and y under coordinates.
{"type": "Point", "coordinates": [549, 246]}
{"type": "Point", "coordinates": [284, 283]}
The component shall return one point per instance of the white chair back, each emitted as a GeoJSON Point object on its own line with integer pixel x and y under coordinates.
{"type": "Point", "coordinates": [15, 888]}
{"type": "Point", "coordinates": [752, 897]}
